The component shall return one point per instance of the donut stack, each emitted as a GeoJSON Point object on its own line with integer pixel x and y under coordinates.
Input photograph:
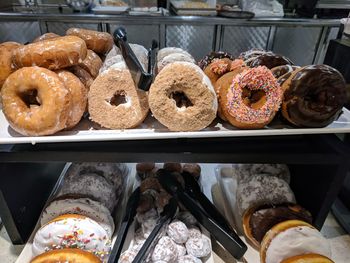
{"type": "Point", "coordinates": [78, 224]}
{"type": "Point", "coordinates": [252, 88]}
{"type": "Point", "coordinates": [182, 240]}
{"type": "Point", "coordinates": [271, 219]}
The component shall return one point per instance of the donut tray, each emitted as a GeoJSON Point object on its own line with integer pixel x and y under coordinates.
{"type": "Point", "coordinates": [151, 129]}
{"type": "Point", "coordinates": [26, 254]}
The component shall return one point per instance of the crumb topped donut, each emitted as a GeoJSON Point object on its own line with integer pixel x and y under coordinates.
{"type": "Point", "coordinates": [185, 101]}
{"type": "Point", "coordinates": [6, 65]}
{"type": "Point", "coordinates": [35, 101]}
{"type": "Point", "coordinates": [115, 102]}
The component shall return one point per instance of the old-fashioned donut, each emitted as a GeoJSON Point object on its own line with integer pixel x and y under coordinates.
{"type": "Point", "coordinates": [35, 101]}
{"type": "Point", "coordinates": [184, 101]}
{"type": "Point", "coordinates": [53, 54]}
{"type": "Point", "coordinates": [314, 96]}
{"type": "Point", "coordinates": [45, 36]}
{"type": "Point", "coordinates": [92, 63]}
{"type": "Point", "coordinates": [6, 65]}
{"type": "Point", "coordinates": [115, 102]}
{"type": "Point", "coordinates": [100, 42]}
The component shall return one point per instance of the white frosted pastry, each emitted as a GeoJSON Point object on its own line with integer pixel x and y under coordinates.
{"type": "Point", "coordinates": [81, 206]}
{"type": "Point", "coordinates": [194, 232]}
{"type": "Point", "coordinates": [189, 259]}
{"type": "Point", "coordinates": [178, 232]}
{"type": "Point", "coordinates": [118, 59]}
{"type": "Point", "coordinates": [165, 250]}
{"type": "Point", "coordinates": [198, 247]}
{"type": "Point", "coordinates": [175, 57]}
{"type": "Point", "coordinates": [72, 231]}
{"type": "Point", "coordinates": [243, 172]}
{"type": "Point", "coordinates": [297, 241]}
{"type": "Point", "coordinates": [162, 53]}
{"type": "Point", "coordinates": [181, 250]}
{"type": "Point", "coordinates": [142, 55]}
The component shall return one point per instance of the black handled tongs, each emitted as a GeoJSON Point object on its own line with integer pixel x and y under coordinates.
{"type": "Point", "coordinates": [142, 78]}
{"type": "Point", "coordinates": [128, 218]}
{"type": "Point", "coordinates": [166, 216]}
{"type": "Point", "coordinates": [226, 237]}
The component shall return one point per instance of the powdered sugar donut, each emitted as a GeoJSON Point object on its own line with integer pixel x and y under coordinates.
{"type": "Point", "coordinates": [165, 250]}
{"type": "Point", "coordinates": [187, 218]}
{"type": "Point", "coordinates": [162, 53]}
{"type": "Point", "coordinates": [127, 256]}
{"type": "Point", "coordinates": [198, 247]}
{"type": "Point", "coordinates": [178, 232]}
{"type": "Point", "coordinates": [116, 61]}
{"type": "Point", "coordinates": [181, 250]}
{"type": "Point", "coordinates": [189, 259]}
{"type": "Point", "coordinates": [173, 58]}
{"type": "Point", "coordinates": [142, 55]}
{"type": "Point", "coordinates": [194, 232]}
{"type": "Point", "coordinates": [190, 105]}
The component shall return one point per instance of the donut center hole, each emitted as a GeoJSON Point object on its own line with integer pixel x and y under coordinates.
{"type": "Point", "coordinates": [253, 98]}
{"type": "Point", "coordinates": [30, 98]}
{"type": "Point", "coordinates": [118, 98]}
{"type": "Point", "coordinates": [181, 100]}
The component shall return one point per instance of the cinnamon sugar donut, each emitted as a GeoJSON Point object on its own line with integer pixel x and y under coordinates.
{"type": "Point", "coordinates": [78, 97]}
{"type": "Point", "coordinates": [196, 104]}
{"type": "Point", "coordinates": [115, 102]}
{"type": "Point", "coordinates": [6, 65]}
{"type": "Point", "coordinates": [35, 101]}
{"type": "Point", "coordinates": [45, 36]}
{"type": "Point", "coordinates": [83, 75]}
{"type": "Point", "coordinates": [53, 54]}
{"type": "Point", "coordinates": [100, 42]}
{"type": "Point", "coordinates": [92, 63]}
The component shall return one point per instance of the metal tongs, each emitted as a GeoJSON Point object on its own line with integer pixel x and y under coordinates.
{"type": "Point", "coordinates": [165, 218]}
{"type": "Point", "coordinates": [142, 78]}
{"type": "Point", "coordinates": [210, 218]}
{"type": "Point", "coordinates": [128, 218]}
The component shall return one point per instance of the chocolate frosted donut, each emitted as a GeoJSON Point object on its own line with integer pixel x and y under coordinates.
{"type": "Point", "coordinates": [213, 55]}
{"type": "Point", "coordinates": [279, 71]}
{"type": "Point", "coordinates": [314, 96]}
{"type": "Point", "coordinates": [270, 60]}
{"type": "Point", "coordinates": [254, 52]}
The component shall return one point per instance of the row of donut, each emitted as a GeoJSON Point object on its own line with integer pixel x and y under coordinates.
{"type": "Point", "coordinates": [77, 224]}
{"type": "Point", "coordinates": [182, 241]}
{"type": "Point", "coordinates": [272, 220]}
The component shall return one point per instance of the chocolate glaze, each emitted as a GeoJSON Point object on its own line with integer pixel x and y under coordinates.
{"type": "Point", "coordinates": [279, 71]}
{"type": "Point", "coordinates": [266, 217]}
{"type": "Point", "coordinates": [316, 96]}
{"type": "Point", "coordinates": [270, 60]}
{"type": "Point", "coordinates": [251, 53]}
{"type": "Point", "coordinates": [283, 78]}
{"type": "Point", "coordinates": [213, 55]}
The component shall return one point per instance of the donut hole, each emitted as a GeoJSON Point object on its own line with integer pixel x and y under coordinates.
{"type": "Point", "coordinates": [30, 98]}
{"type": "Point", "coordinates": [180, 99]}
{"type": "Point", "coordinates": [254, 99]}
{"type": "Point", "coordinates": [118, 98]}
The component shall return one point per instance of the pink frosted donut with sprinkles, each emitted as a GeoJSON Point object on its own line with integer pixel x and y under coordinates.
{"type": "Point", "coordinates": [253, 98]}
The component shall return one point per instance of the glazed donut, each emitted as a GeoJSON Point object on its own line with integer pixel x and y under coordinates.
{"type": "Point", "coordinates": [314, 96]}
{"type": "Point", "coordinates": [99, 42]}
{"type": "Point", "coordinates": [279, 71]}
{"type": "Point", "coordinates": [92, 63]}
{"type": "Point", "coordinates": [217, 68]}
{"type": "Point", "coordinates": [270, 60]}
{"type": "Point", "coordinates": [208, 59]}
{"type": "Point", "coordinates": [106, 93]}
{"type": "Point", "coordinates": [66, 255]}
{"type": "Point", "coordinates": [252, 100]}
{"type": "Point", "coordinates": [82, 75]}
{"type": "Point", "coordinates": [192, 83]}
{"type": "Point", "coordinates": [162, 53]}
{"type": "Point", "coordinates": [174, 57]}
{"type": "Point", "coordinates": [6, 66]}
{"type": "Point", "coordinates": [45, 36]}
{"type": "Point", "coordinates": [308, 258]}
{"type": "Point", "coordinates": [35, 101]}
{"type": "Point", "coordinates": [53, 54]}
{"type": "Point", "coordinates": [72, 231]}
{"type": "Point", "coordinates": [291, 238]}
{"type": "Point", "coordinates": [78, 97]}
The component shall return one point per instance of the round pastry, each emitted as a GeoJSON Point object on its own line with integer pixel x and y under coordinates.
{"type": "Point", "coordinates": [314, 96]}
{"type": "Point", "coordinates": [187, 218]}
{"type": "Point", "coordinates": [194, 232]}
{"type": "Point", "coordinates": [181, 250]}
{"type": "Point", "coordinates": [217, 68]}
{"type": "Point", "coordinates": [148, 220]}
{"type": "Point", "coordinates": [175, 57]}
{"type": "Point", "coordinates": [270, 60]}
{"type": "Point", "coordinates": [150, 183]}
{"type": "Point", "coordinates": [252, 100]}
{"type": "Point", "coordinates": [72, 231]}
{"type": "Point", "coordinates": [128, 256]}
{"type": "Point", "coordinates": [115, 102]}
{"type": "Point", "coordinates": [262, 189]}
{"type": "Point", "coordinates": [165, 250]}
{"type": "Point", "coordinates": [82, 75]}
{"type": "Point", "coordinates": [162, 200]}
{"type": "Point", "coordinates": [113, 52]}
{"type": "Point", "coordinates": [146, 203]}
{"type": "Point", "coordinates": [81, 206]}
{"type": "Point", "coordinates": [208, 59]}
{"type": "Point", "coordinates": [144, 170]}
{"type": "Point", "coordinates": [292, 238]}
{"type": "Point", "coordinates": [93, 186]}
{"type": "Point", "coordinates": [192, 168]}
{"type": "Point", "coordinates": [178, 232]}
{"type": "Point", "coordinates": [173, 167]}
{"type": "Point", "coordinates": [35, 101]}
{"type": "Point", "coordinates": [53, 54]}
{"type": "Point", "coordinates": [78, 97]}
{"type": "Point", "coordinates": [258, 220]}
{"type": "Point", "coordinates": [279, 71]}
{"type": "Point", "coordinates": [196, 104]}
{"type": "Point", "coordinates": [252, 53]}
{"type": "Point", "coordinates": [142, 55]}
{"type": "Point", "coordinates": [188, 259]}
{"type": "Point", "coordinates": [115, 62]}
{"type": "Point", "coordinates": [308, 258]}
{"type": "Point", "coordinates": [92, 63]}
{"type": "Point", "coordinates": [99, 42]}
{"type": "Point", "coordinates": [45, 36]}
{"type": "Point", "coordinates": [66, 255]}
{"type": "Point", "coordinates": [162, 53]}
{"type": "Point", "coordinates": [198, 247]}
{"type": "Point", "coordinates": [6, 66]}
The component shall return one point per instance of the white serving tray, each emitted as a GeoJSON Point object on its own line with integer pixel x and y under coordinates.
{"type": "Point", "coordinates": [110, 9]}
{"type": "Point", "coordinates": [151, 129]}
